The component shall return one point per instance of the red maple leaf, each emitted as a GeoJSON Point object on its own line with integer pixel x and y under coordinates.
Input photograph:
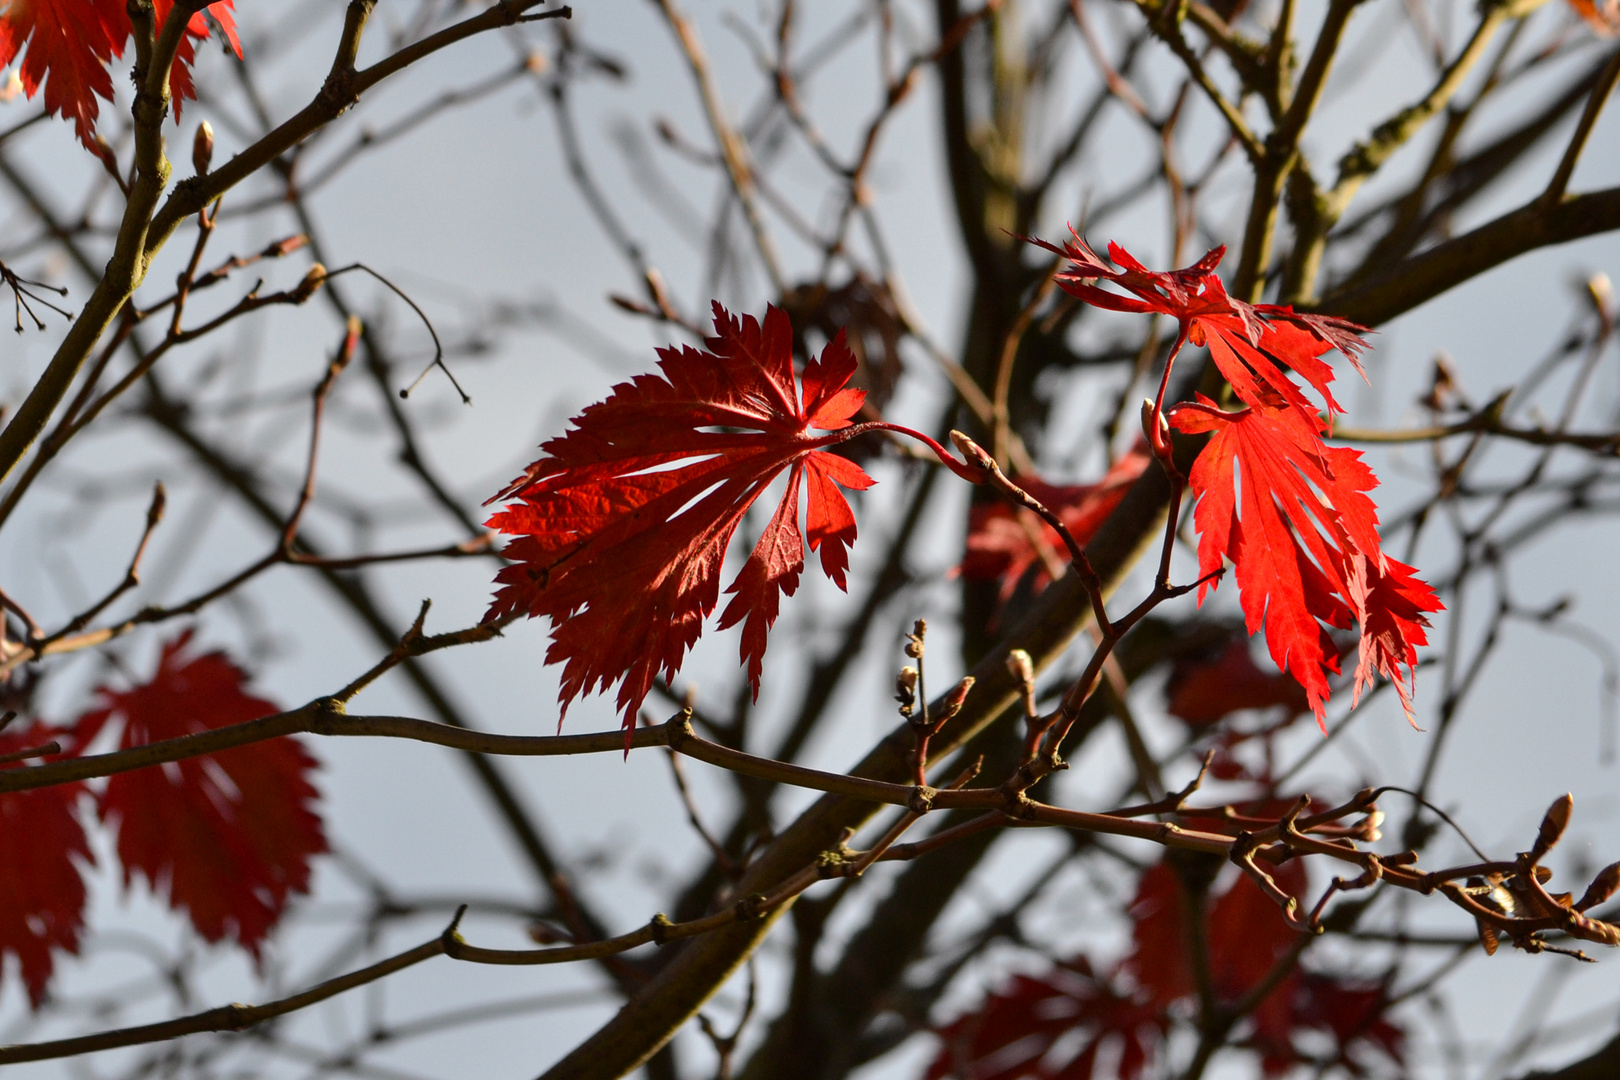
{"type": "Point", "coordinates": [181, 87]}
{"type": "Point", "coordinates": [622, 527]}
{"type": "Point", "coordinates": [1250, 343]}
{"type": "Point", "coordinates": [1052, 1027]}
{"type": "Point", "coordinates": [1245, 936]}
{"type": "Point", "coordinates": [229, 836]}
{"type": "Point", "coordinates": [1290, 512]}
{"type": "Point", "coordinates": [41, 890]}
{"type": "Point", "coordinates": [1354, 1012]}
{"type": "Point", "coordinates": [1012, 1036]}
{"type": "Point", "coordinates": [70, 43]}
{"type": "Point", "coordinates": [1004, 542]}
{"type": "Point", "coordinates": [1304, 539]}
{"type": "Point", "coordinates": [1245, 929]}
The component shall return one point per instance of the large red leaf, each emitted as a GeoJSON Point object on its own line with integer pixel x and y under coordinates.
{"type": "Point", "coordinates": [1260, 335]}
{"type": "Point", "coordinates": [1290, 512]}
{"type": "Point", "coordinates": [229, 836]}
{"type": "Point", "coordinates": [41, 891]}
{"type": "Point", "coordinates": [622, 527]}
{"type": "Point", "coordinates": [1245, 931]}
{"type": "Point", "coordinates": [70, 43]}
{"type": "Point", "coordinates": [1292, 515]}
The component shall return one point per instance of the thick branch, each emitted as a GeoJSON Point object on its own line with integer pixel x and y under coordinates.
{"type": "Point", "coordinates": [1425, 276]}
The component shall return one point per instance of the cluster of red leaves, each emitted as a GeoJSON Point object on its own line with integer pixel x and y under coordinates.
{"type": "Point", "coordinates": [227, 837]}
{"type": "Point", "coordinates": [1005, 542]}
{"type": "Point", "coordinates": [1290, 512]}
{"type": "Point", "coordinates": [71, 42]}
{"type": "Point", "coordinates": [1054, 1027]}
{"type": "Point", "coordinates": [622, 527]}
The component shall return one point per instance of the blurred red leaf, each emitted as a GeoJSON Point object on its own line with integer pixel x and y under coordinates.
{"type": "Point", "coordinates": [1602, 16]}
{"type": "Point", "coordinates": [1002, 540]}
{"type": "Point", "coordinates": [229, 836]}
{"type": "Point", "coordinates": [1245, 936]}
{"type": "Point", "coordinates": [1201, 690]}
{"type": "Point", "coordinates": [1053, 1027]}
{"type": "Point", "coordinates": [70, 43]}
{"type": "Point", "coordinates": [1355, 1013]}
{"type": "Point", "coordinates": [41, 890]}
{"type": "Point", "coordinates": [1012, 1035]}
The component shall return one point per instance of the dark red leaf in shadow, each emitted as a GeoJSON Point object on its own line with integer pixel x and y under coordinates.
{"type": "Point", "coordinates": [1004, 543]}
{"type": "Point", "coordinates": [1201, 690]}
{"type": "Point", "coordinates": [1012, 1036]}
{"type": "Point", "coordinates": [229, 836]}
{"type": "Point", "coordinates": [41, 891]}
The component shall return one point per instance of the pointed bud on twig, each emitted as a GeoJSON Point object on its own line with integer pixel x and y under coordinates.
{"type": "Point", "coordinates": [313, 280]}
{"type": "Point", "coordinates": [351, 342]}
{"type": "Point", "coordinates": [202, 148]}
{"type": "Point", "coordinates": [914, 640]}
{"type": "Point", "coordinates": [1552, 826]}
{"type": "Point", "coordinates": [282, 248]}
{"type": "Point", "coordinates": [109, 161]}
{"type": "Point", "coordinates": [954, 700]}
{"type": "Point", "coordinates": [971, 450]}
{"type": "Point", "coordinates": [1601, 290]}
{"type": "Point", "coordinates": [1602, 887]}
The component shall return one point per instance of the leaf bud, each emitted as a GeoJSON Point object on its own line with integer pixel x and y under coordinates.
{"type": "Point", "coordinates": [1553, 825]}
{"type": "Point", "coordinates": [954, 700]}
{"type": "Point", "coordinates": [1603, 886]}
{"type": "Point", "coordinates": [543, 934]}
{"type": "Point", "coordinates": [905, 689]}
{"type": "Point", "coordinates": [313, 280]}
{"type": "Point", "coordinates": [1020, 666]}
{"type": "Point", "coordinates": [202, 148]}
{"type": "Point", "coordinates": [1601, 291]}
{"type": "Point", "coordinates": [914, 640]}
{"type": "Point", "coordinates": [971, 450]}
